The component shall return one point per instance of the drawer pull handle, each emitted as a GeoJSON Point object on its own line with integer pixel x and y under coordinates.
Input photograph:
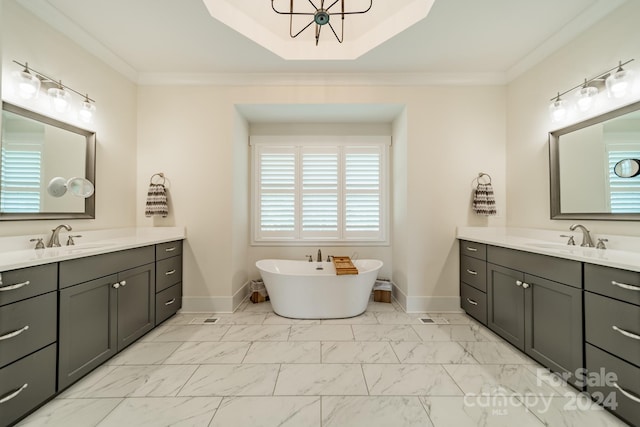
{"type": "Point", "coordinates": [170, 272]}
{"type": "Point", "coordinates": [626, 333]}
{"type": "Point", "coordinates": [14, 333]}
{"type": "Point", "coordinates": [170, 302]}
{"type": "Point", "coordinates": [472, 272]}
{"type": "Point", "coordinates": [171, 249]}
{"type": "Point", "coordinates": [518, 283]}
{"type": "Point", "coordinates": [13, 394]}
{"type": "Point", "coordinates": [116, 285]}
{"type": "Point", "coordinates": [623, 391]}
{"type": "Point", "coordinates": [470, 249]}
{"type": "Point", "coordinates": [12, 287]}
{"type": "Point", "coordinates": [625, 286]}
{"type": "Point", "coordinates": [123, 283]}
{"type": "Point", "coordinates": [525, 285]}
{"type": "Point", "coordinates": [472, 302]}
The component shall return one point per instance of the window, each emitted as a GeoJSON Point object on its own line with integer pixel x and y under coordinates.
{"type": "Point", "coordinates": [20, 179]}
{"type": "Point", "coordinates": [320, 189]}
{"type": "Point", "coordinates": [624, 192]}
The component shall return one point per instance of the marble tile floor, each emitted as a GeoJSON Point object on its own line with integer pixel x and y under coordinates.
{"type": "Point", "coordinates": [383, 368]}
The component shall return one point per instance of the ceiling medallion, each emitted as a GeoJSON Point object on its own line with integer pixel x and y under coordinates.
{"type": "Point", "coordinates": [321, 16]}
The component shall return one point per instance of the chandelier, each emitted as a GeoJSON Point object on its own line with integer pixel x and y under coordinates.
{"type": "Point", "coordinates": [321, 16]}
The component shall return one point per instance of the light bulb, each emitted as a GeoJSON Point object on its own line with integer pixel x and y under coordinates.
{"type": "Point", "coordinates": [87, 111]}
{"type": "Point", "coordinates": [586, 97]}
{"type": "Point", "coordinates": [28, 84]}
{"type": "Point", "coordinates": [619, 83]}
{"type": "Point", "coordinates": [59, 99]}
{"type": "Point", "coordinates": [558, 110]}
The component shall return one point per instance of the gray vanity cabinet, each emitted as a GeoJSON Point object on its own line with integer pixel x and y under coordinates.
{"type": "Point", "coordinates": [102, 316]}
{"type": "Point", "coordinates": [505, 304]}
{"type": "Point", "coordinates": [539, 315]}
{"type": "Point", "coordinates": [28, 334]}
{"type": "Point", "coordinates": [88, 328]}
{"type": "Point", "coordinates": [612, 322]}
{"type": "Point", "coordinates": [168, 280]}
{"type": "Point", "coordinates": [473, 280]}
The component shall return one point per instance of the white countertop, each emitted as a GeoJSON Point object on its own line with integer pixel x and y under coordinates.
{"type": "Point", "coordinates": [18, 252]}
{"type": "Point", "coordinates": [622, 251]}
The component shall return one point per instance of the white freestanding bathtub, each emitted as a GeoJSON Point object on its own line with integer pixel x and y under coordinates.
{"type": "Point", "coordinates": [298, 289]}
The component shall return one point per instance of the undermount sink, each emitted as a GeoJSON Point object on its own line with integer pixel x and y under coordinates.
{"type": "Point", "coordinates": [549, 245]}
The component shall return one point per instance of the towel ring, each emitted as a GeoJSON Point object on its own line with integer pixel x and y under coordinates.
{"type": "Point", "coordinates": [159, 175]}
{"type": "Point", "coordinates": [480, 176]}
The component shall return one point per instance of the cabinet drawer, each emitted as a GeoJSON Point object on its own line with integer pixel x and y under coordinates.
{"type": "Point", "coordinates": [474, 302]}
{"type": "Point", "coordinates": [621, 284]}
{"type": "Point", "coordinates": [27, 326]}
{"type": "Point", "coordinates": [168, 272]}
{"type": "Point", "coordinates": [473, 249]}
{"type": "Point", "coordinates": [624, 375]}
{"type": "Point", "coordinates": [613, 326]}
{"type": "Point", "coordinates": [473, 272]}
{"type": "Point", "coordinates": [169, 249]}
{"type": "Point", "coordinates": [557, 269]}
{"type": "Point", "coordinates": [16, 285]}
{"type": "Point", "coordinates": [168, 302]}
{"type": "Point", "coordinates": [82, 270]}
{"type": "Point", "coordinates": [38, 372]}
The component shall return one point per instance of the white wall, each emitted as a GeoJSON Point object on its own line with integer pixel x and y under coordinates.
{"type": "Point", "coordinates": [26, 38]}
{"type": "Point", "coordinates": [598, 49]}
{"type": "Point", "coordinates": [448, 136]}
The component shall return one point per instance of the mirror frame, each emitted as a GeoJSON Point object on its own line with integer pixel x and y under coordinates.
{"type": "Point", "coordinates": [90, 168]}
{"type": "Point", "coordinates": [554, 168]}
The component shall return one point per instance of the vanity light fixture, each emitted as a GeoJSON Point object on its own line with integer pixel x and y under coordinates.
{"type": "Point", "coordinates": [321, 16]}
{"type": "Point", "coordinates": [617, 81]}
{"type": "Point", "coordinates": [30, 81]}
{"type": "Point", "coordinates": [60, 98]}
{"type": "Point", "coordinates": [88, 109]}
{"type": "Point", "coordinates": [586, 97]}
{"type": "Point", "coordinates": [28, 84]}
{"type": "Point", "coordinates": [558, 109]}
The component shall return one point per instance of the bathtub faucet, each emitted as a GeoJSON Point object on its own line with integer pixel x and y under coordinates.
{"type": "Point", "coordinates": [319, 259]}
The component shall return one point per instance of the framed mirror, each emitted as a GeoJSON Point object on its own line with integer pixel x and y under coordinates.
{"type": "Point", "coordinates": [594, 167]}
{"type": "Point", "coordinates": [42, 158]}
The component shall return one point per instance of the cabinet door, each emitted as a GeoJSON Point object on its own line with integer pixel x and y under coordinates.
{"type": "Point", "coordinates": [136, 303]}
{"type": "Point", "coordinates": [88, 334]}
{"type": "Point", "coordinates": [553, 325]}
{"type": "Point", "coordinates": [505, 304]}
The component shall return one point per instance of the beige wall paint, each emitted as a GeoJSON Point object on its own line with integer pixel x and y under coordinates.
{"type": "Point", "coordinates": [452, 133]}
{"type": "Point", "coordinates": [26, 38]}
{"type": "Point", "coordinates": [598, 49]}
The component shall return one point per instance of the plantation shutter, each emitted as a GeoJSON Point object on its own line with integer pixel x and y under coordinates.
{"type": "Point", "coordinates": [319, 199]}
{"type": "Point", "coordinates": [362, 192]}
{"type": "Point", "coordinates": [624, 192]}
{"type": "Point", "coordinates": [21, 170]}
{"type": "Point", "coordinates": [277, 189]}
{"type": "Point", "coordinates": [319, 189]}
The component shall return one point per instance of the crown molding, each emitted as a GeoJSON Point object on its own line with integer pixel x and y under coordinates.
{"type": "Point", "coordinates": [323, 79]}
{"type": "Point", "coordinates": [575, 27]}
{"type": "Point", "coordinates": [56, 19]}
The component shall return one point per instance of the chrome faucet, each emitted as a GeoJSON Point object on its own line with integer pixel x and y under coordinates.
{"type": "Point", "coordinates": [586, 237]}
{"type": "Point", "coordinates": [54, 240]}
{"type": "Point", "coordinates": [319, 259]}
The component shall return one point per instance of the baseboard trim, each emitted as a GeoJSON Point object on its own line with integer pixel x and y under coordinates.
{"type": "Point", "coordinates": [215, 304]}
{"type": "Point", "coordinates": [434, 304]}
{"type": "Point", "coordinates": [240, 296]}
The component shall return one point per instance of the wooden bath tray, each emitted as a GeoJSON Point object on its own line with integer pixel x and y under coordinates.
{"type": "Point", "coordinates": [344, 265]}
